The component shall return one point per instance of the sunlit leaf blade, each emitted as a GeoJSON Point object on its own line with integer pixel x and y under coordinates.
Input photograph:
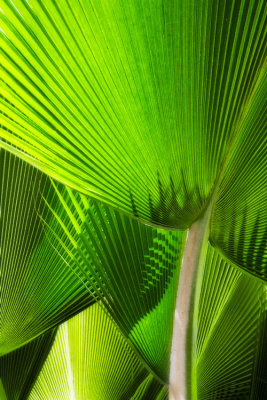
{"type": "Point", "coordinates": [90, 360]}
{"type": "Point", "coordinates": [239, 223]}
{"type": "Point", "coordinates": [132, 267]}
{"type": "Point", "coordinates": [20, 369]}
{"type": "Point", "coordinates": [37, 289]}
{"type": "Point", "coordinates": [135, 103]}
{"type": "Point", "coordinates": [230, 323]}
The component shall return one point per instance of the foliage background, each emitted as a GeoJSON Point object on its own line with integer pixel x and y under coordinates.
{"type": "Point", "coordinates": [121, 122]}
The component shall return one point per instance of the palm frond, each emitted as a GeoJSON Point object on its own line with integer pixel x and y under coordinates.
{"type": "Point", "coordinates": [136, 104]}
{"type": "Point", "coordinates": [38, 289]}
{"type": "Point", "coordinates": [20, 368]}
{"type": "Point", "coordinates": [91, 360]}
{"type": "Point", "coordinates": [239, 223]}
{"type": "Point", "coordinates": [133, 268]}
{"type": "Point", "coordinates": [230, 315]}
{"type": "Point", "coordinates": [259, 383]}
{"type": "Point", "coordinates": [158, 110]}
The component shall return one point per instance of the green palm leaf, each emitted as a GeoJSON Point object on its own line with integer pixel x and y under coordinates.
{"type": "Point", "coordinates": [229, 326]}
{"type": "Point", "coordinates": [238, 226]}
{"type": "Point", "coordinates": [99, 365]}
{"type": "Point", "coordinates": [228, 311]}
{"type": "Point", "coordinates": [38, 289]}
{"type": "Point", "coordinates": [20, 369]}
{"type": "Point", "coordinates": [259, 386]}
{"type": "Point", "coordinates": [139, 104]}
{"type": "Point", "coordinates": [158, 110]}
{"type": "Point", "coordinates": [132, 267]}
{"type": "Point", "coordinates": [90, 359]}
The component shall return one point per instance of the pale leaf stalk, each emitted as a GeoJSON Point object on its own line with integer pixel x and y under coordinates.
{"type": "Point", "coordinates": [181, 381]}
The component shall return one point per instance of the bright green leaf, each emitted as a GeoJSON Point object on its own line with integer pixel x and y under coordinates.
{"type": "Point", "coordinates": [38, 289]}
{"type": "Point", "coordinates": [132, 267]}
{"type": "Point", "coordinates": [137, 103]}
{"type": "Point", "coordinates": [229, 325]}
{"type": "Point", "coordinates": [91, 360]}
{"type": "Point", "coordinates": [19, 369]}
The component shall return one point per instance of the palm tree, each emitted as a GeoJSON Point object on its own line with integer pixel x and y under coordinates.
{"type": "Point", "coordinates": [136, 187]}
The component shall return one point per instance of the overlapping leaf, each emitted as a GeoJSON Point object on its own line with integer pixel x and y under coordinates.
{"type": "Point", "coordinates": [20, 368]}
{"type": "Point", "coordinates": [99, 365]}
{"type": "Point", "coordinates": [259, 384]}
{"type": "Point", "coordinates": [132, 267]}
{"type": "Point", "coordinates": [230, 325]}
{"type": "Point", "coordinates": [37, 289]}
{"type": "Point", "coordinates": [239, 223]}
{"type": "Point", "coordinates": [156, 108]}
{"type": "Point", "coordinates": [135, 103]}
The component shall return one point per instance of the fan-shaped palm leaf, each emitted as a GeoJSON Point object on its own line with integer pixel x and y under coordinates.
{"type": "Point", "coordinates": [91, 360]}
{"type": "Point", "coordinates": [102, 246]}
{"type": "Point", "coordinates": [38, 289]}
{"type": "Point", "coordinates": [157, 109]}
{"type": "Point", "coordinates": [139, 104]}
{"type": "Point", "coordinates": [20, 368]}
{"type": "Point", "coordinates": [132, 267]}
{"type": "Point", "coordinates": [229, 326]}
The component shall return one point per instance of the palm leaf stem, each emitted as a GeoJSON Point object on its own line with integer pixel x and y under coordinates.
{"type": "Point", "coordinates": [181, 351]}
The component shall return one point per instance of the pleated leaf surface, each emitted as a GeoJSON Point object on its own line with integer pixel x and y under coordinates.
{"type": "Point", "coordinates": [137, 103]}
{"type": "Point", "coordinates": [239, 221]}
{"type": "Point", "coordinates": [132, 267]}
{"type": "Point", "coordinates": [37, 289]}
{"type": "Point", "coordinates": [91, 360]}
{"type": "Point", "coordinates": [229, 354]}
{"type": "Point", "coordinates": [155, 108]}
{"type": "Point", "coordinates": [20, 368]}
